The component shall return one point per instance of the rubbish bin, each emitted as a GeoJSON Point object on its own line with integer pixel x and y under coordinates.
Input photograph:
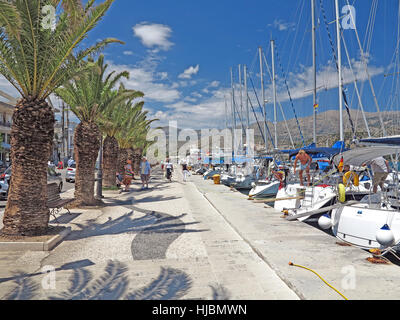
{"type": "Point", "coordinates": [217, 178]}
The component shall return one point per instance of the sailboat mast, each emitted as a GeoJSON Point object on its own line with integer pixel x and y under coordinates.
{"type": "Point", "coordinates": [246, 96]}
{"type": "Point", "coordinates": [263, 97]}
{"type": "Point", "coordinates": [274, 89]}
{"type": "Point", "coordinates": [339, 71]}
{"type": "Point", "coordinates": [241, 104]}
{"type": "Point", "coordinates": [314, 72]}
{"type": "Point", "coordinates": [233, 113]}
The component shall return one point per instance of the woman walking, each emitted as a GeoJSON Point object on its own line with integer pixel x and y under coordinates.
{"type": "Point", "coordinates": [185, 171]}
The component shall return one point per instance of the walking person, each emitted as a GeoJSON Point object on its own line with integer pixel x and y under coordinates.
{"type": "Point", "coordinates": [380, 168]}
{"type": "Point", "coordinates": [185, 171]}
{"type": "Point", "coordinates": [128, 175]}
{"type": "Point", "coordinates": [305, 162]}
{"type": "Point", "coordinates": [145, 173]}
{"type": "Point", "coordinates": [169, 168]}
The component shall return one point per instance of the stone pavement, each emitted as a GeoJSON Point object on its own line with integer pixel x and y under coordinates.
{"type": "Point", "coordinates": [168, 242]}
{"type": "Point", "coordinates": [278, 242]}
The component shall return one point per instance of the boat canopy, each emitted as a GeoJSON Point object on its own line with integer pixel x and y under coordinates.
{"type": "Point", "coordinates": [316, 152]}
{"type": "Point", "coordinates": [387, 141]}
{"type": "Point", "coordinates": [357, 157]}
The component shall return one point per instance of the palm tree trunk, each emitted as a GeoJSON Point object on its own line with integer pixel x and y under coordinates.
{"type": "Point", "coordinates": [110, 161]}
{"type": "Point", "coordinates": [137, 157]}
{"type": "Point", "coordinates": [32, 132]}
{"type": "Point", "coordinates": [123, 156]}
{"type": "Point", "coordinates": [86, 148]}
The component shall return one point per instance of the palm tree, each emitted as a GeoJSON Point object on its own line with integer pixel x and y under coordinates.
{"type": "Point", "coordinates": [88, 96]}
{"type": "Point", "coordinates": [113, 122]}
{"type": "Point", "coordinates": [132, 141]}
{"type": "Point", "coordinates": [36, 61]}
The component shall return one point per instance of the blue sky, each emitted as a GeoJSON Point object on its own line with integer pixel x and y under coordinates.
{"type": "Point", "coordinates": [179, 53]}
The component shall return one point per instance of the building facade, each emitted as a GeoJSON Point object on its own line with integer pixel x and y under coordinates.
{"type": "Point", "coordinates": [6, 112]}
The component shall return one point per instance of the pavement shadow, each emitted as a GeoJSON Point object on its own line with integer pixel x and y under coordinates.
{"type": "Point", "coordinates": [156, 199]}
{"type": "Point", "coordinates": [112, 284]}
{"type": "Point", "coordinates": [65, 218]}
{"type": "Point", "coordinates": [219, 293]}
{"type": "Point", "coordinates": [151, 222]}
{"type": "Point", "coordinates": [25, 288]}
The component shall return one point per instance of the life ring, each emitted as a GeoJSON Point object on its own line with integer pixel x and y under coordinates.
{"type": "Point", "coordinates": [351, 175]}
{"type": "Point", "coordinates": [342, 193]}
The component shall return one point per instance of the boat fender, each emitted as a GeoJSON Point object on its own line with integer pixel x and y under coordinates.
{"type": "Point", "coordinates": [353, 176]}
{"type": "Point", "coordinates": [385, 236]}
{"type": "Point", "coordinates": [325, 222]}
{"type": "Point", "coordinates": [342, 193]}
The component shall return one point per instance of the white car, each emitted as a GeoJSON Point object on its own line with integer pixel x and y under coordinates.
{"type": "Point", "coordinates": [70, 175]}
{"type": "Point", "coordinates": [52, 176]}
{"type": "Point", "coordinates": [3, 190]}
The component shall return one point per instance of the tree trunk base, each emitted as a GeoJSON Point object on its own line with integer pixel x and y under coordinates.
{"type": "Point", "coordinates": [81, 204]}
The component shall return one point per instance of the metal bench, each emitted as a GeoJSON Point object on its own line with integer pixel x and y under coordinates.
{"type": "Point", "coordinates": [54, 201]}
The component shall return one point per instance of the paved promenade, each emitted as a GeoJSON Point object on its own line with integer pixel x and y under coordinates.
{"type": "Point", "coordinates": [278, 242]}
{"type": "Point", "coordinates": [168, 242]}
{"type": "Point", "coordinates": [192, 240]}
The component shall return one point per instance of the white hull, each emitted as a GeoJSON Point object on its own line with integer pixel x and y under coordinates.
{"type": "Point", "coordinates": [267, 189]}
{"type": "Point", "coordinates": [314, 198]}
{"type": "Point", "coordinates": [359, 224]}
{"type": "Point", "coordinates": [243, 182]}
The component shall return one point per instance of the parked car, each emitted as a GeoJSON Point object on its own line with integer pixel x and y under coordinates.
{"type": "Point", "coordinates": [70, 175]}
{"type": "Point", "coordinates": [52, 176]}
{"type": "Point", "coordinates": [3, 190]}
{"type": "Point", "coordinates": [71, 170]}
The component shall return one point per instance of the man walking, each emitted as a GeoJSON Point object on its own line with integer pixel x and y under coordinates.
{"type": "Point", "coordinates": [305, 162]}
{"type": "Point", "coordinates": [145, 173]}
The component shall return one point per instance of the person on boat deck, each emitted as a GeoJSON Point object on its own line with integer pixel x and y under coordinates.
{"type": "Point", "coordinates": [305, 162]}
{"type": "Point", "coordinates": [380, 168]}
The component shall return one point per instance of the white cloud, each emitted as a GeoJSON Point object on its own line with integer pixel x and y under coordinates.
{"type": "Point", "coordinates": [214, 84]}
{"type": "Point", "coordinates": [145, 78]}
{"type": "Point", "coordinates": [128, 53]}
{"type": "Point", "coordinates": [153, 35]}
{"type": "Point", "coordinates": [208, 113]}
{"type": "Point", "coordinates": [189, 72]}
{"type": "Point", "coordinates": [282, 25]}
{"type": "Point", "coordinates": [300, 84]}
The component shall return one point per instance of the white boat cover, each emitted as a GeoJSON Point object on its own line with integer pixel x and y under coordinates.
{"type": "Point", "coordinates": [357, 157]}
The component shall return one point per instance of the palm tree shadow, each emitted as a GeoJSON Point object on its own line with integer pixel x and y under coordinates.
{"type": "Point", "coordinates": [25, 288]}
{"type": "Point", "coordinates": [220, 293]}
{"type": "Point", "coordinates": [151, 222]}
{"type": "Point", "coordinates": [156, 199]}
{"type": "Point", "coordinates": [170, 284]}
{"type": "Point", "coordinates": [113, 283]}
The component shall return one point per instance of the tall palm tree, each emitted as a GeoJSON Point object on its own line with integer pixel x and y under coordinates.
{"type": "Point", "coordinates": [132, 141]}
{"type": "Point", "coordinates": [88, 96]}
{"type": "Point", "coordinates": [114, 121]}
{"type": "Point", "coordinates": [36, 61]}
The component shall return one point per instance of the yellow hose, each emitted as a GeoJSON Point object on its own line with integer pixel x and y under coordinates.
{"type": "Point", "coordinates": [296, 265]}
